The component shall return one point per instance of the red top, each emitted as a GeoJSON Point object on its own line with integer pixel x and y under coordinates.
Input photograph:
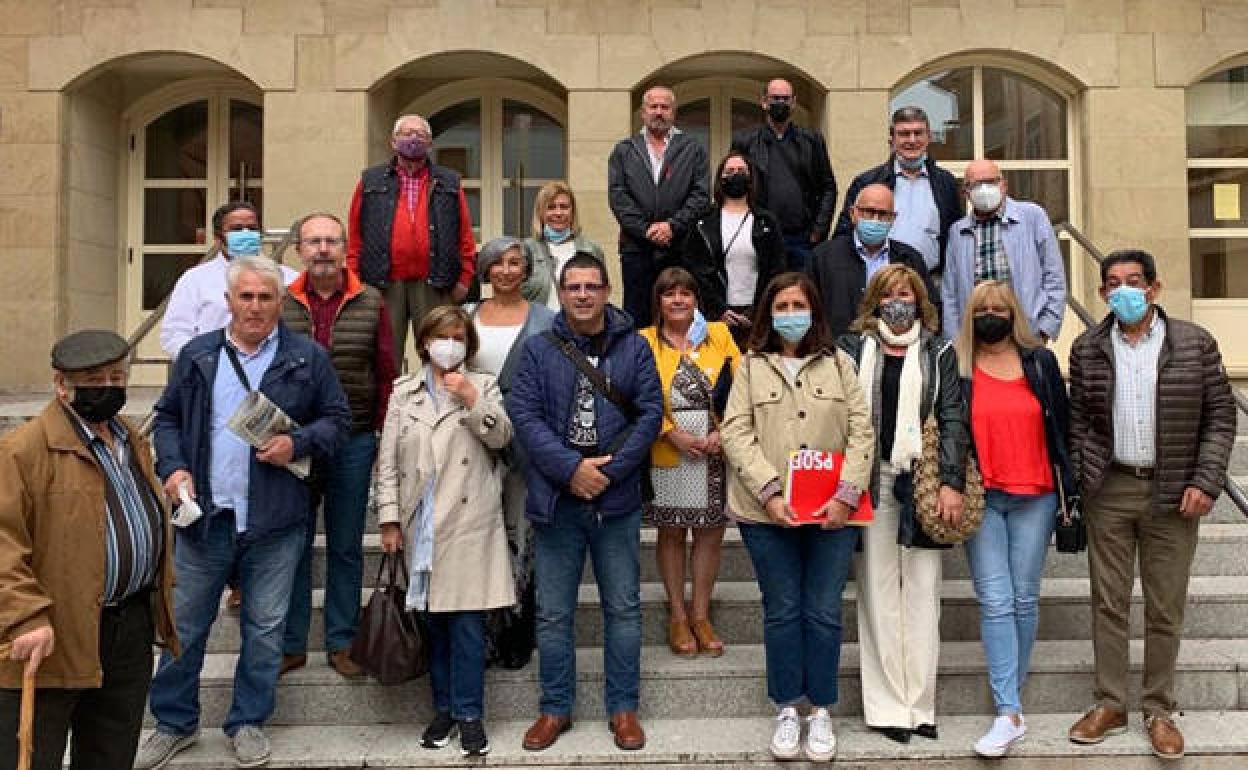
{"type": "Point", "coordinates": [409, 235]}
{"type": "Point", "coordinates": [1007, 424]}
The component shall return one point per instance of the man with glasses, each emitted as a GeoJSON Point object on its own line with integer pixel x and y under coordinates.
{"type": "Point", "coordinates": [347, 317]}
{"type": "Point", "coordinates": [86, 564]}
{"type": "Point", "coordinates": [793, 177]}
{"type": "Point", "coordinates": [1003, 239]}
{"type": "Point", "coordinates": [254, 510]}
{"type": "Point", "coordinates": [411, 231]}
{"type": "Point", "coordinates": [843, 266]}
{"type": "Point", "coordinates": [586, 405]}
{"type": "Point", "coordinates": [927, 196]}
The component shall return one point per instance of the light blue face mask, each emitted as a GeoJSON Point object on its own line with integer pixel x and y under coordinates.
{"type": "Point", "coordinates": [242, 243]}
{"type": "Point", "coordinates": [1129, 304]}
{"type": "Point", "coordinates": [556, 236]}
{"type": "Point", "coordinates": [791, 326]}
{"type": "Point", "coordinates": [872, 232]}
{"type": "Point", "coordinates": [697, 330]}
{"type": "Point", "coordinates": [912, 164]}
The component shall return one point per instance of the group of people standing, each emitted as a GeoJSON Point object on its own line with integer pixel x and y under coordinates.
{"type": "Point", "coordinates": [542, 424]}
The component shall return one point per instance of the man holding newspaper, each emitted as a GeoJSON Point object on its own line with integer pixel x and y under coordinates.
{"type": "Point", "coordinates": [244, 409]}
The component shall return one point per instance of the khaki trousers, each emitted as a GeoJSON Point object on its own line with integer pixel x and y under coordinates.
{"type": "Point", "coordinates": [1120, 522]}
{"type": "Point", "coordinates": [408, 302]}
{"type": "Point", "coordinates": [898, 621]}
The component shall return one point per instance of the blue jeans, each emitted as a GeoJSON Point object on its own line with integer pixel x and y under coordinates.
{"type": "Point", "coordinates": [1006, 558]}
{"type": "Point", "coordinates": [614, 546]}
{"type": "Point", "coordinates": [347, 478]}
{"type": "Point", "coordinates": [457, 663]}
{"type": "Point", "coordinates": [797, 251]}
{"type": "Point", "coordinates": [266, 569]}
{"type": "Point", "coordinates": [802, 573]}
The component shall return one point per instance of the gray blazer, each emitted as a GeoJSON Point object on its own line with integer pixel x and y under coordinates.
{"type": "Point", "coordinates": [542, 278]}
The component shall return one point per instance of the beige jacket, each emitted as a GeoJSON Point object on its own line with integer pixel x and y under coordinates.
{"type": "Point", "coordinates": [769, 416]}
{"type": "Point", "coordinates": [471, 564]}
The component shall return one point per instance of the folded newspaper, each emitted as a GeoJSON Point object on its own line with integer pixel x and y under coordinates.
{"type": "Point", "coordinates": [258, 419]}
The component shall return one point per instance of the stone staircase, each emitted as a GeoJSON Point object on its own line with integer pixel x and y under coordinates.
{"type": "Point", "coordinates": [706, 712]}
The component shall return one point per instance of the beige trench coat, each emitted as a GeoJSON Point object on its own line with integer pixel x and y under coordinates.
{"type": "Point", "coordinates": [471, 564]}
{"type": "Point", "coordinates": [768, 417]}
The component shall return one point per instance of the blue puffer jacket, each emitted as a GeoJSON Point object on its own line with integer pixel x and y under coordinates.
{"type": "Point", "coordinates": [300, 380]}
{"type": "Point", "coordinates": [543, 395]}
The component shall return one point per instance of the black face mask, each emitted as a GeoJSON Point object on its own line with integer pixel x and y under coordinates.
{"type": "Point", "coordinates": [992, 328]}
{"type": "Point", "coordinates": [735, 185]}
{"type": "Point", "coordinates": [98, 403]}
{"type": "Point", "coordinates": [779, 112]}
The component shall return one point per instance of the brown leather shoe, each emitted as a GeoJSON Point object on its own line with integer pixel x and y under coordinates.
{"type": "Point", "coordinates": [628, 733]}
{"type": "Point", "coordinates": [341, 662]}
{"type": "Point", "coordinates": [1165, 736]}
{"type": "Point", "coordinates": [235, 600]}
{"type": "Point", "coordinates": [1098, 724]}
{"type": "Point", "coordinates": [543, 733]}
{"type": "Point", "coordinates": [292, 662]}
{"type": "Point", "coordinates": [680, 641]}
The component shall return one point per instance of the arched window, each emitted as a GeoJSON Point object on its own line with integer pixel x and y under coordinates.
{"type": "Point", "coordinates": [506, 139]}
{"type": "Point", "coordinates": [1015, 120]}
{"type": "Point", "coordinates": [1217, 173]}
{"type": "Point", "coordinates": [711, 110]}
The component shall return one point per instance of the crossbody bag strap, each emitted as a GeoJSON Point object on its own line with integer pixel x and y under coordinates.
{"type": "Point", "coordinates": [595, 377]}
{"type": "Point", "coordinates": [238, 367]}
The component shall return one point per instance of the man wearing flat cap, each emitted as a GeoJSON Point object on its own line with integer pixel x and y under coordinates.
{"type": "Point", "coordinates": [86, 564]}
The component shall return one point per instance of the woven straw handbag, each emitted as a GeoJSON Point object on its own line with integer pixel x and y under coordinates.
{"type": "Point", "coordinates": [927, 491]}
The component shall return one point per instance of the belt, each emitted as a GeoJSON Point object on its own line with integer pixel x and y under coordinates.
{"type": "Point", "coordinates": [140, 597]}
{"type": "Point", "coordinates": [1135, 471]}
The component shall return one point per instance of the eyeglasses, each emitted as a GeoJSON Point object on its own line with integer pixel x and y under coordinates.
{"type": "Point", "coordinates": [409, 134]}
{"type": "Point", "coordinates": [882, 215]}
{"type": "Point", "coordinates": [584, 288]}
{"type": "Point", "coordinates": [317, 243]}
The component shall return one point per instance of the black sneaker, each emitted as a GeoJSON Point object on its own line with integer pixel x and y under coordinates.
{"type": "Point", "coordinates": [439, 731]}
{"type": "Point", "coordinates": [472, 740]}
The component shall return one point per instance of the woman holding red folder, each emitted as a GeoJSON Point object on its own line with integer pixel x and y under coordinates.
{"type": "Point", "coordinates": [907, 373]}
{"type": "Point", "coordinates": [794, 390]}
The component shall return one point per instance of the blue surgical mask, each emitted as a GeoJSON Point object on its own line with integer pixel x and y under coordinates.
{"type": "Point", "coordinates": [242, 243]}
{"type": "Point", "coordinates": [697, 330]}
{"type": "Point", "coordinates": [791, 326]}
{"type": "Point", "coordinates": [1129, 304]}
{"type": "Point", "coordinates": [556, 236]}
{"type": "Point", "coordinates": [872, 232]}
{"type": "Point", "coordinates": [912, 165]}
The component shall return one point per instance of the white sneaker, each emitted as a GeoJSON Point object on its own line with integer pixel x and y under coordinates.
{"type": "Point", "coordinates": [786, 741]}
{"type": "Point", "coordinates": [997, 741]}
{"type": "Point", "coordinates": [820, 739]}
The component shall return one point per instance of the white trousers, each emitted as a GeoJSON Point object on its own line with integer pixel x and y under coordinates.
{"type": "Point", "coordinates": [898, 621]}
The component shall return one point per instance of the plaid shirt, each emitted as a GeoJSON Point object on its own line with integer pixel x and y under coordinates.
{"type": "Point", "coordinates": [991, 261]}
{"type": "Point", "coordinates": [409, 186]}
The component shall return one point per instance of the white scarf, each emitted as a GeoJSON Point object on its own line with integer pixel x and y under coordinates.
{"type": "Point", "coordinates": [908, 435]}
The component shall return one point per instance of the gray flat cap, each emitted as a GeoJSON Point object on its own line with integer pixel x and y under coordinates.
{"type": "Point", "coordinates": [88, 349]}
{"type": "Point", "coordinates": [493, 251]}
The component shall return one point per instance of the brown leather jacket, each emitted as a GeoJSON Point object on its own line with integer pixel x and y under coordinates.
{"type": "Point", "coordinates": [52, 522]}
{"type": "Point", "coordinates": [1195, 412]}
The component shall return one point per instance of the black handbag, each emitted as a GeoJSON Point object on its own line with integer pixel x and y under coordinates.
{"type": "Point", "coordinates": [1071, 534]}
{"type": "Point", "coordinates": [392, 643]}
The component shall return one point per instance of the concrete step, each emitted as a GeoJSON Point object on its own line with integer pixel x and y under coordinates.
{"type": "Point", "coordinates": [1217, 609]}
{"type": "Point", "coordinates": [1212, 675]}
{"type": "Point", "coordinates": [1223, 550]}
{"type": "Point", "coordinates": [1216, 740]}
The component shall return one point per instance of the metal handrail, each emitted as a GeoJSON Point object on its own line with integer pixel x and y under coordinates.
{"type": "Point", "coordinates": [1232, 488]}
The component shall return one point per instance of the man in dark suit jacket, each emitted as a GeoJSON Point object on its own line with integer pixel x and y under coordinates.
{"type": "Point", "coordinates": [656, 184]}
{"type": "Point", "coordinates": [843, 266]}
{"type": "Point", "coordinates": [926, 195]}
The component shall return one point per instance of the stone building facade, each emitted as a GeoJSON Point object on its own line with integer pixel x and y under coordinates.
{"type": "Point", "coordinates": [123, 123]}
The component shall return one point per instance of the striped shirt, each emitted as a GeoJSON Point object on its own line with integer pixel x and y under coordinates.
{"type": "Point", "coordinates": [133, 537]}
{"type": "Point", "coordinates": [991, 262]}
{"type": "Point", "coordinates": [1135, 394]}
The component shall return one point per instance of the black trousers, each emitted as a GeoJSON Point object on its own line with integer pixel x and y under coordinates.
{"type": "Point", "coordinates": [105, 722]}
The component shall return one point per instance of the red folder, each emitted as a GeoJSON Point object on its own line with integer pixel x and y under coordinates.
{"type": "Point", "coordinates": [813, 477]}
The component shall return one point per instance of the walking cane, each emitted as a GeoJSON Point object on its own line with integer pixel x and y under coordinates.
{"type": "Point", "coordinates": [26, 719]}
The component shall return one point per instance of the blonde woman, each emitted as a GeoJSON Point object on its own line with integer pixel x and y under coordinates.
{"type": "Point", "coordinates": [1020, 418]}
{"type": "Point", "coordinates": [907, 373]}
{"type": "Point", "coordinates": [556, 237]}
{"type": "Point", "coordinates": [440, 498]}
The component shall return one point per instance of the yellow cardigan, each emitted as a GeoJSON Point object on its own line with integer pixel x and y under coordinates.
{"type": "Point", "coordinates": [710, 356]}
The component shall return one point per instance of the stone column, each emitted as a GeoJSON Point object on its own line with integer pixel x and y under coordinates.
{"type": "Point", "coordinates": [597, 119]}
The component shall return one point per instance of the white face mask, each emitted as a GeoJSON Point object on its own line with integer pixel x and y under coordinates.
{"type": "Point", "coordinates": [986, 197]}
{"type": "Point", "coordinates": [447, 353]}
